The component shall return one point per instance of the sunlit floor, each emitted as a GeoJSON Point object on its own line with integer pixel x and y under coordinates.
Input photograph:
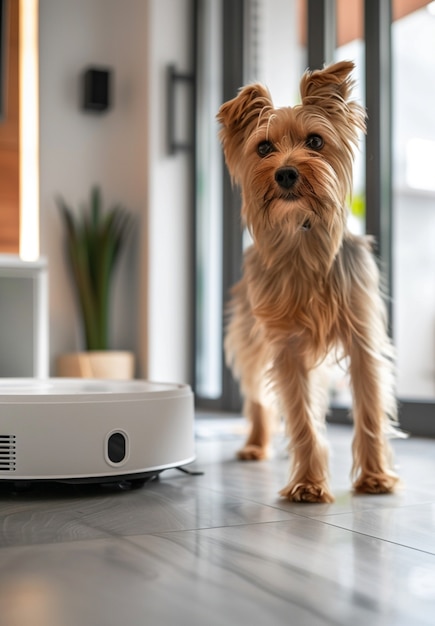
{"type": "Point", "coordinates": [222, 548]}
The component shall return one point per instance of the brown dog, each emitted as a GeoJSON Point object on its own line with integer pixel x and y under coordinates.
{"type": "Point", "coordinates": [309, 288]}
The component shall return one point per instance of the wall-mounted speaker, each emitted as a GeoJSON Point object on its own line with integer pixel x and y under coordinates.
{"type": "Point", "coordinates": [97, 83]}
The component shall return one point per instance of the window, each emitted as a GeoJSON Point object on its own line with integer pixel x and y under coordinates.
{"type": "Point", "coordinates": [414, 200]}
{"type": "Point", "coordinates": [394, 188]}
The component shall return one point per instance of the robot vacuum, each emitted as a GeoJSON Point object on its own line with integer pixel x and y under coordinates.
{"type": "Point", "coordinates": [85, 430]}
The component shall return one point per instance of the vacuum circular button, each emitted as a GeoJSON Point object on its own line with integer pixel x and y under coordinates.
{"type": "Point", "coordinates": [116, 447]}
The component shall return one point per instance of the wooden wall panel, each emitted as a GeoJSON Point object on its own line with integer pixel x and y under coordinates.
{"type": "Point", "coordinates": [9, 139]}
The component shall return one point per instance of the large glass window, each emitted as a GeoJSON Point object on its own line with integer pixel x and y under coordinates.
{"type": "Point", "coordinates": [274, 49]}
{"type": "Point", "coordinates": [414, 199]}
{"type": "Point", "coordinates": [209, 251]}
{"type": "Point", "coordinates": [350, 46]}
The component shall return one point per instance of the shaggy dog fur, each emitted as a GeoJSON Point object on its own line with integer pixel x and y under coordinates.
{"type": "Point", "coordinates": [310, 288]}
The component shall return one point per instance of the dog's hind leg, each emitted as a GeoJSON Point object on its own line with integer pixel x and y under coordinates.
{"type": "Point", "coordinates": [257, 444]}
{"type": "Point", "coordinates": [248, 355]}
{"type": "Point", "coordinates": [258, 406]}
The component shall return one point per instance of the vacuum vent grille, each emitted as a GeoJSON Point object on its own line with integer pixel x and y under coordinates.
{"type": "Point", "coordinates": [8, 453]}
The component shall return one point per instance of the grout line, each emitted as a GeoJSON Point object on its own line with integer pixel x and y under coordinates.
{"type": "Point", "coordinates": [266, 523]}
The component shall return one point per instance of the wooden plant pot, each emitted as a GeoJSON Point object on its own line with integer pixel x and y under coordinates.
{"type": "Point", "coordinates": [104, 364]}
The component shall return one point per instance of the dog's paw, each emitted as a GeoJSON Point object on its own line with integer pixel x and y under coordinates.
{"type": "Point", "coordinates": [376, 483]}
{"type": "Point", "coordinates": [307, 492]}
{"type": "Point", "coordinates": [251, 452]}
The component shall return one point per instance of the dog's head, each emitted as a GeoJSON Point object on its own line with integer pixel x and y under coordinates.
{"type": "Point", "coordinates": [294, 164]}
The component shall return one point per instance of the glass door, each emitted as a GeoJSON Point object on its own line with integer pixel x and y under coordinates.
{"type": "Point", "coordinates": [256, 40]}
{"type": "Point", "coordinates": [350, 45]}
{"type": "Point", "coordinates": [238, 41]}
{"type": "Point", "coordinates": [209, 217]}
{"type": "Point", "coordinates": [413, 37]}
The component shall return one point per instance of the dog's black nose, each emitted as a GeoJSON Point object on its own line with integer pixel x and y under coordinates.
{"type": "Point", "coordinates": [286, 177]}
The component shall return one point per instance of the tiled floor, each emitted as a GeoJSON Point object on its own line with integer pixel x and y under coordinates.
{"type": "Point", "coordinates": [222, 549]}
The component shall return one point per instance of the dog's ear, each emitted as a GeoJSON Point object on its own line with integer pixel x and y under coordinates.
{"type": "Point", "coordinates": [328, 86]}
{"type": "Point", "coordinates": [238, 117]}
{"type": "Point", "coordinates": [330, 90]}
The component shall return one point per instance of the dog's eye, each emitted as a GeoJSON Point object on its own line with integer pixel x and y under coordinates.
{"type": "Point", "coordinates": [314, 142]}
{"type": "Point", "coordinates": [264, 148]}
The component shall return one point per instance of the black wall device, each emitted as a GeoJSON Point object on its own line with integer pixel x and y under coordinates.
{"type": "Point", "coordinates": [97, 84]}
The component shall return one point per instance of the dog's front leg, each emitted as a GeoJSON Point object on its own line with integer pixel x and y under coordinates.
{"type": "Point", "coordinates": [304, 415]}
{"type": "Point", "coordinates": [371, 377]}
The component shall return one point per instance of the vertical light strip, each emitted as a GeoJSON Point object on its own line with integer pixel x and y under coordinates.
{"type": "Point", "coordinates": [29, 131]}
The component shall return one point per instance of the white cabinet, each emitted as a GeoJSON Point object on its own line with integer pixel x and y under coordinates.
{"type": "Point", "coordinates": [23, 318]}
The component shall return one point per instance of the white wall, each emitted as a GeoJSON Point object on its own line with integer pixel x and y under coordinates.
{"type": "Point", "coordinates": [122, 151]}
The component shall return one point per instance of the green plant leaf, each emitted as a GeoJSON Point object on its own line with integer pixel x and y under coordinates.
{"type": "Point", "coordinates": [94, 241]}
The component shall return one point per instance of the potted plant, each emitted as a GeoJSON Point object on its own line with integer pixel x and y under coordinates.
{"type": "Point", "coordinates": [94, 241]}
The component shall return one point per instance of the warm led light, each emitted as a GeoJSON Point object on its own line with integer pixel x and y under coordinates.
{"type": "Point", "coordinates": [29, 131]}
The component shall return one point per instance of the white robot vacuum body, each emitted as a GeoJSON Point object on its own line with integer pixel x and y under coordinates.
{"type": "Point", "coordinates": [75, 430]}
